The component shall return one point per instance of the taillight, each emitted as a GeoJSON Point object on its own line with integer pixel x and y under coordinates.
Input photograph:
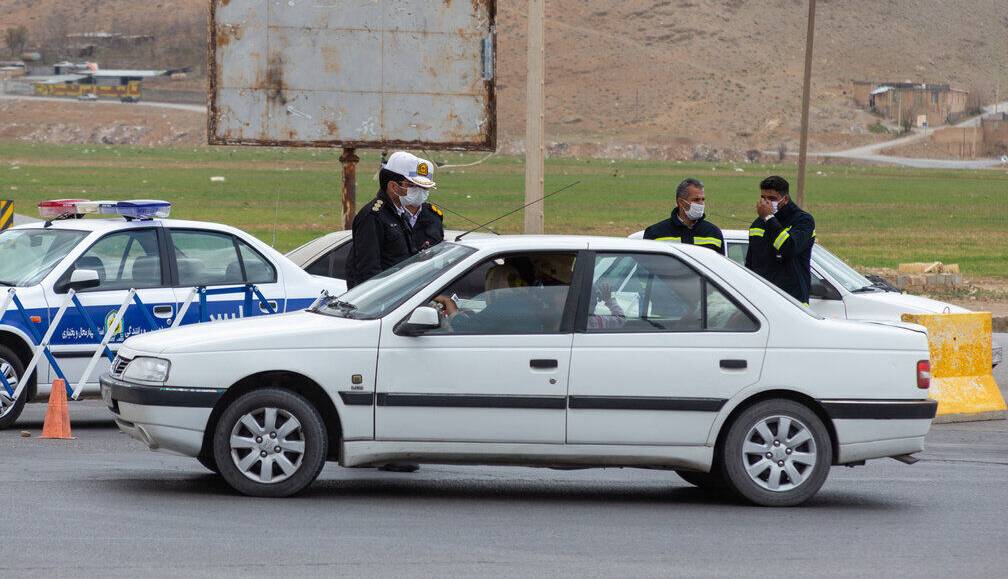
{"type": "Point", "coordinates": [924, 374]}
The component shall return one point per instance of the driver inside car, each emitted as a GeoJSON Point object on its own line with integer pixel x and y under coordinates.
{"type": "Point", "coordinates": [516, 303]}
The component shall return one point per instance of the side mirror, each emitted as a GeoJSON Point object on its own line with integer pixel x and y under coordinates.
{"type": "Point", "coordinates": [83, 279]}
{"type": "Point", "coordinates": [421, 320]}
{"type": "Point", "coordinates": [822, 290]}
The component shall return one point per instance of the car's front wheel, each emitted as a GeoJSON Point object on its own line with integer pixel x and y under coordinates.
{"type": "Point", "coordinates": [270, 443]}
{"type": "Point", "coordinates": [13, 371]}
{"type": "Point", "coordinates": [777, 453]}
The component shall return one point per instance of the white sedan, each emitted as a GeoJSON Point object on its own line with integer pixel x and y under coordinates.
{"type": "Point", "coordinates": [542, 351]}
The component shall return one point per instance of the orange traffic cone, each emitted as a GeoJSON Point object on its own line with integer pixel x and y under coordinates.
{"type": "Point", "coordinates": [57, 418]}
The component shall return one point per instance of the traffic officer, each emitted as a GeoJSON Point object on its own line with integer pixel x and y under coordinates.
{"type": "Point", "coordinates": [426, 219]}
{"type": "Point", "coordinates": [781, 240]}
{"type": "Point", "coordinates": [688, 224]}
{"type": "Point", "coordinates": [383, 233]}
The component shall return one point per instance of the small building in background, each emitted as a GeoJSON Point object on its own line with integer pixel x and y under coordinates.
{"type": "Point", "coordinates": [910, 103]}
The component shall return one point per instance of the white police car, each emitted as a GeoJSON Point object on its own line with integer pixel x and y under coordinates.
{"type": "Point", "coordinates": [102, 259]}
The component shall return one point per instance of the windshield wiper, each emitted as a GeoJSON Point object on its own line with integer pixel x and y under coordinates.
{"type": "Point", "coordinates": [867, 288]}
{"type": "Point", "coordinates": [8, 283]}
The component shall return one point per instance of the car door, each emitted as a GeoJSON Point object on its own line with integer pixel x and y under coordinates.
{"type": "Point", "coordinates": [124, 259]}
{"type": "Point", "coordinates": [217, 260]}
{"type": "Point", "coordinates": [658, 349]}
{"type": "Point", "coordinates": [497, 369]}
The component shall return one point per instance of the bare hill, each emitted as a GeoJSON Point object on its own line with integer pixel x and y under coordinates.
{"type": "Point", "coordinates": [725, 73]}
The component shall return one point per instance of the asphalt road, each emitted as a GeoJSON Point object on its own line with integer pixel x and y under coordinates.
{"type": "Point", "coordinates": [109, 102]}
{"type": "Point", "coordinates": [102, 505]}
{"type": "Point", "coordinates": [873, 153]}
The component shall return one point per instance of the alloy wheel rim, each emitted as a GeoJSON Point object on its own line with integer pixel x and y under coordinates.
{"type": "Point", "coordinates": [779, 453]}
{"type": "Point", "coordinates": [6, 400]}
{"type": "Point", "coordinates": [267, 445]}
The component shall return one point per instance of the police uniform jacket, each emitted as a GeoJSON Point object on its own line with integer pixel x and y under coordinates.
{"type": "Point", "coordinates": [703, 232]}
{"type": "Point", "coordinates": [381, 239]}
{"type": "Point", "coordinates": [780, 250]}
{"type": "Point", "coordinates": [429, 228]}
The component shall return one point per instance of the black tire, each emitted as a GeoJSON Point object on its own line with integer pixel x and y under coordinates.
{"type": "Point", "coordinates": [9, 413]}
{"type": "Point", "coordinates": [735, 464]}
{"type": "Point", "coordinates": [209, 463]}
{"type": "Point", "coordinates": [311, 434]}
{"type": "Point", "coordinates": [708, 481]}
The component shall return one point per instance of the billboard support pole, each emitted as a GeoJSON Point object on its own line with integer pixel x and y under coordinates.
{"type": "Point", "coordinates": [534, 147]}
{"type": "Point", "coordinates": [806, 90]}
{"type": "Point", "coordinates": [349, 160]}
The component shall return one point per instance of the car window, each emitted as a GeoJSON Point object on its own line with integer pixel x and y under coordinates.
{"type": "Point", "coordinates": [257, 268]}
{"type": "Point", "coordinates": [208, 258]}
{"type": "Point", "coordinates": [514, 294]}
{"type": "Point", "coordinates": [123, 260]}
{"type": "Point", "coordinates": [658, 293]}
{"type": "Point", "coordinates": [333, 263]}
{"type": "Point", "coordinates": [737, 251]}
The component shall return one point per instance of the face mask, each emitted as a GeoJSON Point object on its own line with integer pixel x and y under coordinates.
{"type": "Point", "coordinates": [696, 211]}
{"type": "Point", "coordinates": [415, 196]}
{"type": "Point", "coordinates": [773, 207]}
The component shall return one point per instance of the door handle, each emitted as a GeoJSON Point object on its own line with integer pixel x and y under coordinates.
{"type": "Point", "coordinates": [264, 309]}
{"type": "Point", "coordinates": [163, 312]}
{"type": "Point", "coordinates": [734, 364]}
{"type": "Point", "coordinates": [543, 364]}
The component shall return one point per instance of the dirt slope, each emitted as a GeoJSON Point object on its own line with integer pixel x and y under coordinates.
{"type": "Point", "coordinates": [673, 72]}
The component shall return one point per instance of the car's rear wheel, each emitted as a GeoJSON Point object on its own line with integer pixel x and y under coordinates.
{"type": "Point", "coordinates": [777, 453]}
{"type": "Point", "coordinates": [13, 370]}
{"type": "Point", "coordinates": [709, 481]}
{"type": "Point", "coordinates": [270, 443]}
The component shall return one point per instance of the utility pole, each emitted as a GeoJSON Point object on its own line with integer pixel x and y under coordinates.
{"type": "Point", "coordinates": [535, 148]}
{"type": "Point", "coordinates": [803, 147]}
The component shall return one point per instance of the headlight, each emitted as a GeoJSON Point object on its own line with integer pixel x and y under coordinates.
{"type": "Point", "coordinates": [148, 370]}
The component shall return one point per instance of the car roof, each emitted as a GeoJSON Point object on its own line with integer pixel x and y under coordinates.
{"type": "Point", "coordinates": [101, 224]}
{"type": "Point", "coordinates": [732, 234]}
{"type": "Point", "coordinates": [567, 242]}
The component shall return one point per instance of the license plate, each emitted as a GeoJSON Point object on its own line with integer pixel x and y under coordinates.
{"type": "Point", "coordinates": [106, 396]}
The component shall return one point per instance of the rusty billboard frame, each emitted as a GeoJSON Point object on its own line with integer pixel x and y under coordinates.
{"type": "Point", "coordinates": [489, 132]}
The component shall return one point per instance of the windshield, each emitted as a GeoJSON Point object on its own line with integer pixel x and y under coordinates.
{"type": "Point", "coordinates": [835, 268]}
{"type": "Point", "coordinates": [28, 255]}
{"type": "Point", "coordinates": [389, 289]}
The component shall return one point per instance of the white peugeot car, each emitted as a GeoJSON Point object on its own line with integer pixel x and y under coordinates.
{"type": "Point", "coordinates": [839, 291]}
{"type": "Point", "coordinates": [102, 259]}
{"type": "Point", "coordinates": [542, 351]}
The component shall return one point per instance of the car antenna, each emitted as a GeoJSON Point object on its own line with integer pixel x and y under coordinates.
{"type": "Point", "coordinates": [456, 213]}
{"type": "Point", "coordinates": [540, 200]}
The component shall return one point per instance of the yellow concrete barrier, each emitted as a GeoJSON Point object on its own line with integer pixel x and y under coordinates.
{"type": "Point", "coordinates": [961, 379]}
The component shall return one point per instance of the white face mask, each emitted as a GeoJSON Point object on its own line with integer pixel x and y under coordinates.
{"type": "Point", "coordinates": [773, 207]}
{"type": "Point", "coordinates": [415, 196]}
{"type": "Point", "coordinates": [695, 211]}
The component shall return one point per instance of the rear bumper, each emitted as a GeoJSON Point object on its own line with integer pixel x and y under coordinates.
{"type": "Point", "coordinates": [163, 418]}
{"type": "Point", "coordinates": [868, 429]}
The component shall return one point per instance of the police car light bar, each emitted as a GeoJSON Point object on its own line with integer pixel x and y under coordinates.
{"type": "Point", "coordinates": [138, 209]}
{"type": "Point", "coordinates": [77, 208]}
{"type": "Point", "coordinates": [60, 209]}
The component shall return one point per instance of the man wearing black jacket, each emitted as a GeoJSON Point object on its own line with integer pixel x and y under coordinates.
{"type": "Point", "coordinates": [781, 240]}
{"type": "Point", "coordinates": [385, 231]}
{"type": "Point", "coordinates": [688, 223]}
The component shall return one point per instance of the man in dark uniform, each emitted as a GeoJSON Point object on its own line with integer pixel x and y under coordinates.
{"type": "Point", "coordinates": [427, 219]}
{"type": "Point", "coordinates": [781, 240]}
{"type": "Point", "coordinates": [688, 224]}
{"type": "Point", "coordinates": [383, 230]}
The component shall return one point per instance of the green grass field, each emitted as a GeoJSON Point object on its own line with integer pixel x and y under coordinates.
{"type": "Point", "coordinates": [870, 216]}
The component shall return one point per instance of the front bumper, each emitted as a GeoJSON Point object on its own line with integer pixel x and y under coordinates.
{"type": "Point", "coordinates": [162, 417]}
